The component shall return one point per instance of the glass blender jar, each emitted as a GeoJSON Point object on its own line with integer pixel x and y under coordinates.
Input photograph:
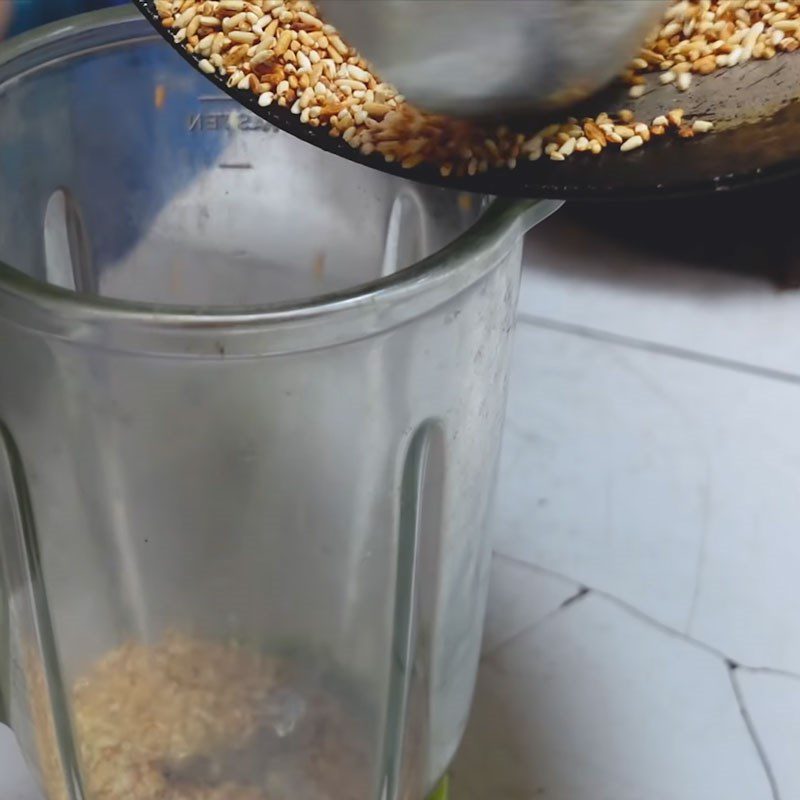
{"type": "Point", "coordinates": [251, 398]}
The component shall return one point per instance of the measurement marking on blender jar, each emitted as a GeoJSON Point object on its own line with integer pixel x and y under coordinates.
{"type": "Point", "coordinates": [203, 121]}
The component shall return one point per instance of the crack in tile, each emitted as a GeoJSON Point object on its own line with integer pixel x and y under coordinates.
{"type": "Point", "coordinates": [731, 665]}
{"type": "Point", "coordinates": [776, 673]}
{"type": "Point", "coordinates": [640, 615]}
{"type": "Point", "coordinates": [702, 554]}
{"type": "Point", "coordinates": [753, 732]}
{"type": "Point", "coordinates": [579, 595]}
{"type": "Point", "coordinates": [582, 592]}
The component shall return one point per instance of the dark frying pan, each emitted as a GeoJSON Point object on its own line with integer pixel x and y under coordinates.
{"type": "Point", "coordinates": [755, 107]}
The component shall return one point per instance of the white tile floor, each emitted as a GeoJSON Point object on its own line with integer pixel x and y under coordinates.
{"type": "Point", "coordinates": [579, 279]}
{"type": "Point", "coordinates": [651, 455]}
{"type": "Point", "coordinates": [668, 483]}
{"type": "Point", "coordinates": [595, 704]}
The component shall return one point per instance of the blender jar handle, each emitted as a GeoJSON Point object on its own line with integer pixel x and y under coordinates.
{"type": "Point", "coordinates": [536, 211]}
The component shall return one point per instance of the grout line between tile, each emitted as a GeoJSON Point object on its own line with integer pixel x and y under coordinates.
{"type": "Point", "coordinates": [718, 362]}
{"type": "Point", "coordinates": [752, 730]}
{"type": "Point", "coordinates": [640, 615]}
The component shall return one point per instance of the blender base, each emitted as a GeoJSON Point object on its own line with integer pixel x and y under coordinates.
{"type": "Point", "coordinates": [442, 791]}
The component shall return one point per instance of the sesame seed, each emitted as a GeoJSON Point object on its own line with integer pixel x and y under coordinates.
{"type": "Point", "coordinates": [185, 18]}
{"type": "Point", "coordinates": [568, 148]}
{"type": "Point", "coordinates": [261, 57]}
{"type": "Point", "coordinates": [242, 37]}
{"type": "Point", "coordinates": [631, 144]}
{"type": "Point", "coordinates": [359, 74]}
{"type": "Point", "coordinates": [702, 126]}
{"type": "Point", "coordinates": [308, 19]}
{"type": "Point", "coordinates": [675, 117]}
